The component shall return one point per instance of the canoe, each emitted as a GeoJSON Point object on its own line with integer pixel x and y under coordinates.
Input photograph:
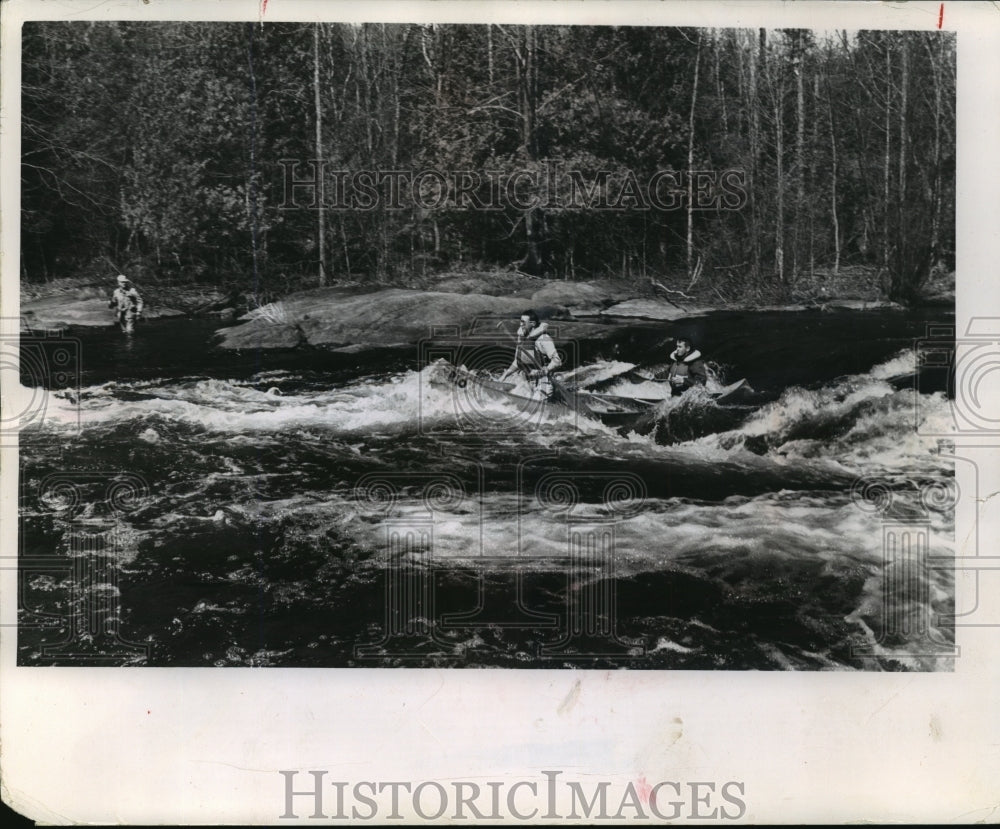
{"type": "Point", "coordinates": [613, 411]}
{"type": "Point", "coordinates": [617, 411]}
{"type": "Point", "coordinates": [647, 388]}
{"type": "Point", "coordinates": [634, 385]}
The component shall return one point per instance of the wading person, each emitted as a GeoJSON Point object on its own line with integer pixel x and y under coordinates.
{"type": "Point", "coordinates": [535, 356]}
{"type": "Point", "coordinates": [687, 368]}
{"type": "Point", "coordinates": [126, 303]}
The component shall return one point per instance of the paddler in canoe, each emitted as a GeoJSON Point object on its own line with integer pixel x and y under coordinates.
{"type": "Point", "coordinates": [686, 371]}
{"type": "Point", "coordinates": [535, 356]}
{"type": "Point", "coordinates": [687, 368]}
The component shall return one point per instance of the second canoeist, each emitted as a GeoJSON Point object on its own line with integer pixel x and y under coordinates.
{"type": "Point", "coordinates": [687, 367]}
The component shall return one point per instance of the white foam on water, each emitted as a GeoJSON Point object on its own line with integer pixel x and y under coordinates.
{"type": "Point", "coordinates": [859, 422]}
{"type": "Point", "coordinates": [759, 546]}
{"type": "Point", "coordinates": [905, 362]}
{"type": "Point", "coordinates": [664, 644]}
{"type": "Point", "coordinates": [826, 527]}
{"type": "Point", "coordinates": [768, 547]}
{"type": "Point", "coordinates": [646, 390]}
{"type": "Point", "coordinates": [405, 400]}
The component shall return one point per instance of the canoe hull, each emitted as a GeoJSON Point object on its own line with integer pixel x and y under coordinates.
{"type": "Point", "coordinates": [620, 412]}
{"type": "Point", "coordinates": [474, 389]}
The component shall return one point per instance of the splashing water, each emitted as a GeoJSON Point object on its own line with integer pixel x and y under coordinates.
{"type": "Point", "coordinates": [270, 505]}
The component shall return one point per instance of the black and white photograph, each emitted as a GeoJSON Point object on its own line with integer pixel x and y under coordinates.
{"type": "Point", "coordinates": [484, 342]}
{"type": "Point", "coordinates": [486, 346]}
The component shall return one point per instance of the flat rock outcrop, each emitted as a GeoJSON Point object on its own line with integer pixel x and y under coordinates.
{"type": "Point", "coordinates": [654, 309]}
{"type": "Point", "coordinates": [56, 312]}
{"type": "Point", "coordinates": [326, 317]}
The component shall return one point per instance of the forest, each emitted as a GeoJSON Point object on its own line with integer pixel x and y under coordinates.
{"type": "Point", "coordinates": [757, 162]}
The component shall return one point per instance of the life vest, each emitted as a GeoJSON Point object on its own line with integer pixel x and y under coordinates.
{"type": "Point", "coordinates": [691, 368]}
{"type": "Point", "coordinates": [536, 349]}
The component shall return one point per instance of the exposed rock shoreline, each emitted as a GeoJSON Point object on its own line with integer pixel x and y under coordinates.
{"type": "Point", "coordinates": [59, 312]}
{"type": "Point", "coordinates": [353, 318]}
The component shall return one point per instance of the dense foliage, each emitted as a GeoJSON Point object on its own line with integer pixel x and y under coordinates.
{"type": "Point", "coordinates": [166, 149]}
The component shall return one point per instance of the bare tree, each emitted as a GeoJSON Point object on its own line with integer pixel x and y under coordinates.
{"type": "Point", "coordinates": [886, 238]}
{"type": "Point", "coordinates": [833, 182]}
{"type": "Point", "coordinates": [321, 212]}
{"type": "Point", "coordinates": [690, 164]}
{"type": "Point", "coordinates": [798, 69]}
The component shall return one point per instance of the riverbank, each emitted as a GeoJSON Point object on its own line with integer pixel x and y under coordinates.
{"type": "Point", "coordinates": [82, 302]}
{"type": "Point", "coordinates": [355, 315]}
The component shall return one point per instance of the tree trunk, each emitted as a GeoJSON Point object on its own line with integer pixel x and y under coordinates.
{"type": "Point", "coordinates": [908, 264]}
{"type": "Point", "coordinates": [904, 79]}
{"type": "Point", "coordinates": [754, 128]}
{"type": "Point", "coordinates": [252, 179]}
{"type": "Point", "coordinates": [800, 140]}
{"type": "Point", "coordinates": [719, 88]}
{"type": "Point", "coordinates": [489, 71]}
{"type": "Point", "coordinates": [347, 247]}
{"type": "Point", "coordinates": [779, 176]}
{"type": "Point", "coordinates": [811, 171]}
{"type": "Point", "coordinates": [833, 187]}
{"type": "Point", "coordinates": [533, 262]}
{"type": "Point", "coordinates": [690, 164]}
{"type": "Point", "coordinates": [321, 212]}
{"type": "Point", "coordinates": [936, 175]}
{"type": "Point", "coordinates": [779, 180]}
{"type": "Point", "coordinates": [886, 238]}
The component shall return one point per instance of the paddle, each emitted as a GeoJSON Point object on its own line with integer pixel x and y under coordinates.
{"type": "Point", "coordinates": [632, 372]}
{"type": "Point", "coordinates": [560, 390]}
{"type": "Point", "coordinates": [642, 374]}
{"type": "Point", "coordinates": [596, 384]}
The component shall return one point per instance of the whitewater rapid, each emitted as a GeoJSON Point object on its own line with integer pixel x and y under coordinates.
{"type": "Point", "coordinates": [742, 546]}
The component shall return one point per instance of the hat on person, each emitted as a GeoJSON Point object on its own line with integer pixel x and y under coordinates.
{"type": "Point", "coordinates": [122, 279]}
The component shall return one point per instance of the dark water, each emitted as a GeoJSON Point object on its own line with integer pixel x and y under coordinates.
{"type": "Point", "coordinates": [188, 506]}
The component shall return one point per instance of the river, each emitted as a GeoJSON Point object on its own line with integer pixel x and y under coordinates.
{"type": "Point", "coordinates": [182, 505]}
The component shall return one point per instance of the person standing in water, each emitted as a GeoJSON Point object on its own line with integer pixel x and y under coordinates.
{"type": "Point", "coordinates": [126, 302]}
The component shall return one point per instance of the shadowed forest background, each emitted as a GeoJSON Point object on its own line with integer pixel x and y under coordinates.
{"type": "Point", "coordinates": [154, 149]}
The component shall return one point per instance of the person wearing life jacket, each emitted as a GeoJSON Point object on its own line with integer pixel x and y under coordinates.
{"type": "Point", "coordinates": [535, 356]}
{"type": "Point", "coordinates": [126, 303]}
{"type": "Point", "coordinates": [687, 368]}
